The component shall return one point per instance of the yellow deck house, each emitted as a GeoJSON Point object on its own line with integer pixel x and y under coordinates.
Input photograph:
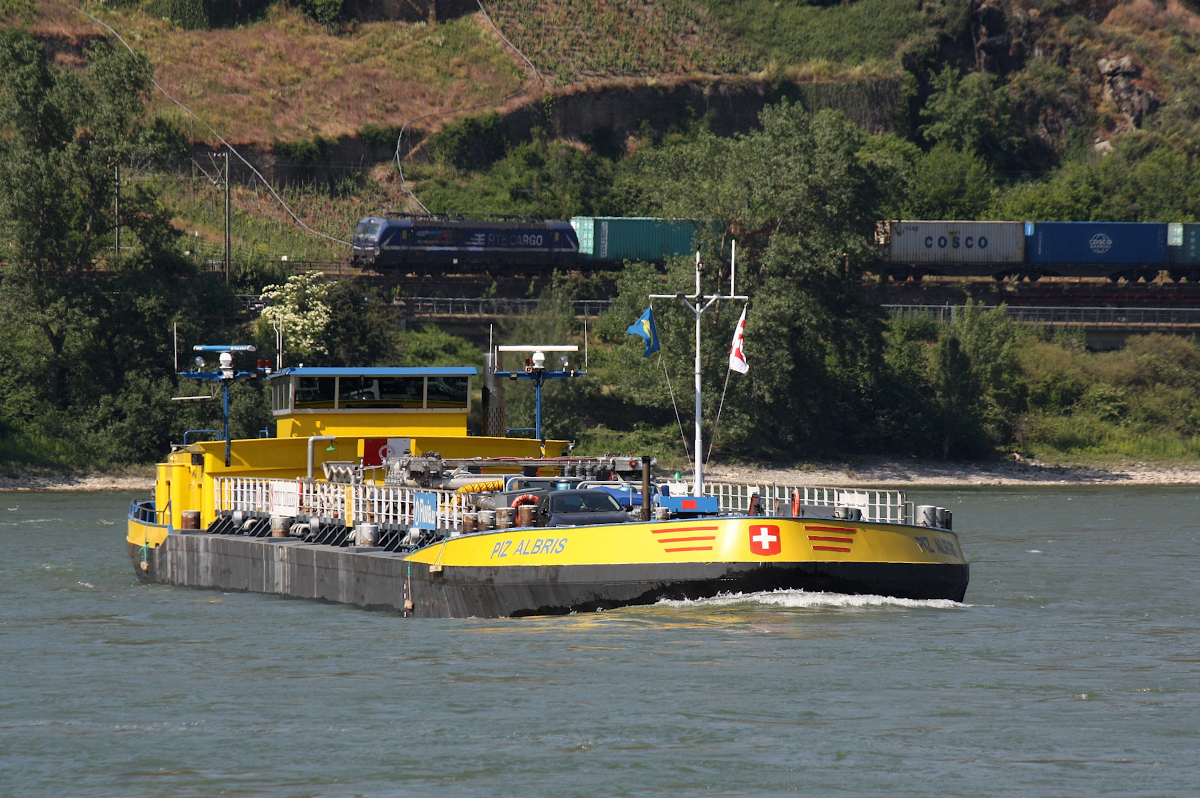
{"type": "Point", "coordinates": [355, 413]}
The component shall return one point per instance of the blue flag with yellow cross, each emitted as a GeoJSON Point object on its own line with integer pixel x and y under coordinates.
{"type": "Point", "coordinates": [644, 328]}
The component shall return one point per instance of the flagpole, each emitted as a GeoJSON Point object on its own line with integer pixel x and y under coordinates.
{"type": "Point", "coordinates": [699, 303]}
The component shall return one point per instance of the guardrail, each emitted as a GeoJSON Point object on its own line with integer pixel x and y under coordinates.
{"type": "Point", "coordinates": [879, 506]}
{"type": "Point", "coordinates": [486, 307]}
{"type": "Point", "coordinates": [364, 503]}
{"type": "Point", "coordinates": [381, 504]}
{"type": "Point", "coordinates": [1088, 317]}
{"type": "Point", "coordinates": [144, 510]}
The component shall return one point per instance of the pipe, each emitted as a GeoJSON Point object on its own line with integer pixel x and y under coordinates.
{"type": "Point", "coordinates": [316, 439]}
{"type": "Point", "coordinates": [645, 488]}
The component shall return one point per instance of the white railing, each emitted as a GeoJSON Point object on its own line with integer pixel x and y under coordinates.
{"type": "Point", "coordinates": [248, 494]}
{"type": "Point", "coordinates": [379, 504]}
{"type": "Point", "coordinates": [882, 506]}
{"type": "Point", "coordinates": [365, 503]}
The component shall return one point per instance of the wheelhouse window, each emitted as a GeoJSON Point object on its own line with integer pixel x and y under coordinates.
{"type": "Point", "coordinates": [381, 392]}
{"type": "Point", "coordinates": [314, 392]}
{"type": "Point", "coordinates": [448, 393]}
{"type": "Point", "coordinates": [280, 395]}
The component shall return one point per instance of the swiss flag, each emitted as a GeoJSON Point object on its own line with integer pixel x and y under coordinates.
{"type": "Point", "coordinates": [764, 540]}
{"type": "Point", "coordinates": [376, 450]}
{"type": "Point", "coordinates": [737, 358]}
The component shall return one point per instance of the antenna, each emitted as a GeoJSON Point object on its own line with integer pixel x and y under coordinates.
{"type": "Point", "coordinates": [176, 345]}
{"type": "Point", "coordinates": [732, 265]}
{"type": "Point", "coordinates": [698, 308]}
{"type": "Point", "coordinates": [277, 324]}
{"type": "Point", "coordinates": [536, 371]}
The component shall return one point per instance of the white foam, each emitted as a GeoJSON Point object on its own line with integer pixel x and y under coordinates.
{"type": "Point", "coordinates": [802, 599]}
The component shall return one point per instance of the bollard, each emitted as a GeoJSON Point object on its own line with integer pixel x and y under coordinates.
{"type": "Point", "coordinates": [366, 534]}
{"type": "Point", "coordinates": [190, 519]}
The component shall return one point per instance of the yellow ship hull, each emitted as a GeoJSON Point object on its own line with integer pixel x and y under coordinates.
{"type": "Point", "coordinates": [531, 571]}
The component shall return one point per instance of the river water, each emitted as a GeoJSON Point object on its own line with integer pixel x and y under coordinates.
{"type": "Point", "coordinates": [1072, 669]}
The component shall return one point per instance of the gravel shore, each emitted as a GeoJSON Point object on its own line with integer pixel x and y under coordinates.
{"type": "Point", "coordinates": [874, 473]}
{"type": "Point", "coordinates": [903, 474]}
{"type": "Point", "coordinates": [88, 482]}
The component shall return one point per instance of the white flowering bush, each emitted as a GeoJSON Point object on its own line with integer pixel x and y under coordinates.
{"type": "Point", "coordinates": [299, 306]}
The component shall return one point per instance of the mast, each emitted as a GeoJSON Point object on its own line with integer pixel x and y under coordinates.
{"type": "Point", "coordinates": [699, 303]}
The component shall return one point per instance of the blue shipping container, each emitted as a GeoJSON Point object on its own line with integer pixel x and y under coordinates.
{"type": "Point", "coordinates": [1134, 243]}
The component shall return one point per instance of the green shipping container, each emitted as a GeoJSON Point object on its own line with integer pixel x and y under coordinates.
{"type": "Point", "coordinates": [1183, 244]}
{"type": "Point", "coordinates": [620, 238]}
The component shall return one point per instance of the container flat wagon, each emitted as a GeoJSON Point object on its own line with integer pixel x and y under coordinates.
{"type": "Point", "coordinates": [1001, 250]}
{"type": "Point", "coordinates": [1096, 249]}
{"type": "Point", "coordinates": [616, 239]}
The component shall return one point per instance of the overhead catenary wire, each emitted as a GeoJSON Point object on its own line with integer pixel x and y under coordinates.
{"type": "Point", "coordinates": [212, 130]}
{"type": "Point", "coordinates": [520, 90]}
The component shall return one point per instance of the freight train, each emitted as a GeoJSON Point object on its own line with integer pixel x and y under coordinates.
{"type": "Point", "coordinates": [1029, 250]}
{"type": "Point", "coordinates": [909, 249]}
{"type": "Point", "coordinates": [386, 243]}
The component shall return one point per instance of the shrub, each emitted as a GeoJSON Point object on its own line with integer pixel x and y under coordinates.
{"type": "Point", "coordinates": [325, 12]}
{"type": "Point", "coordinates": [304, 151]}
{"type": "Point", "coordinates": [373, 135]}
{"type": "Point", "coordinates": [474, 142]}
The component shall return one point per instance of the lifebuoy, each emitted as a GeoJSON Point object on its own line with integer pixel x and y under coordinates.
{"type": "Point", "coordinates": [524, 498]}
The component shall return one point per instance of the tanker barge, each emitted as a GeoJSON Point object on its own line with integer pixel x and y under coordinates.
{"type": "Point", "coordinates": [373, 494]}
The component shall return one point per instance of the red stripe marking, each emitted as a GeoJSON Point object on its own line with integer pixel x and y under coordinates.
{"type": "Point", "coordinates": [698, 548]}
{"type": "Point", "coordinates": [841, 529]}
{"type": "Point", "coordinates": [685, 540]}
{"type": "Point", "coordinates": [829, 548]}
{"type": "Point", "coordinates": [685, 529]}
{"type": "Point", "coordinates": [830, 537]}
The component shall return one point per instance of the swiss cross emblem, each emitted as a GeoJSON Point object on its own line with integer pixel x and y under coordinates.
{"type": "Point", "coordinates": [764, 540]}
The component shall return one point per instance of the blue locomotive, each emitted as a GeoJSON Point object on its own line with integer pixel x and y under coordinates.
{"type": "Point", "coordinates": [383, 243]}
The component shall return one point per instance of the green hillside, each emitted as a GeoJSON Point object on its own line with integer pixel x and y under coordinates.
{"type": "Point", "coordinates": [749, 112]}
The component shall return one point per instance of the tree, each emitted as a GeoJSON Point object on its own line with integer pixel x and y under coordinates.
{"type": "Point", "coordinates": [804, 192]}
{"type": "Point", "coordinates": [971, 115]}
{"type": "Point", "coordinates": [62, 137]}
{"type": "Point", "coordinates": [87, 352]}
{"type": "Point", "coordinates": [300, 309]}
{"type": "Point", "coordinates": [950, 184]}
{"type": "Point", "coordinates": [957, 395]}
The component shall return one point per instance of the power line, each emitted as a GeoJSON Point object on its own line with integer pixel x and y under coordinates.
{"type": "Point", "coordinates": [540, 79]}
{"type": "Point", "coordinates": [217, 135]}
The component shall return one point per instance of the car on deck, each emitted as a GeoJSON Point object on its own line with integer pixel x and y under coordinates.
{"type": "Point", "coordinates": [579, 507]}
